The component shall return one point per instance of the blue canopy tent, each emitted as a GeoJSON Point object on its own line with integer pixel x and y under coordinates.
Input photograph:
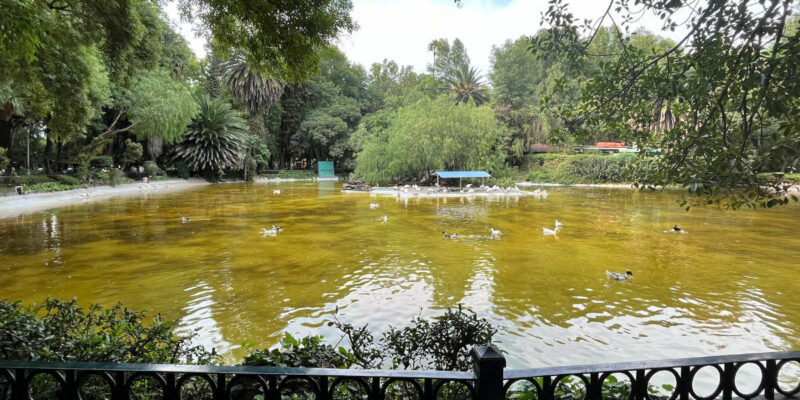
{"type": "Point", "coordinates": [460, 175]}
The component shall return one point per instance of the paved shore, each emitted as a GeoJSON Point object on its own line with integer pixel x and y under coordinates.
{"type": "Point", "coordinates": [16, 205]}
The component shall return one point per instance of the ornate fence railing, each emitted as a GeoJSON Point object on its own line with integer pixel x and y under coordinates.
{"type": "Point", "coordinates": [769, 377]}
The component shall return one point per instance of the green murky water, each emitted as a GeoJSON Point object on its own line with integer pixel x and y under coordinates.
{"type": "Point", "coordinates": [729, 286]}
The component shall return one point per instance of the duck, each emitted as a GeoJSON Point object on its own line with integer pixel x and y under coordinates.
{"type": "Point", "coordinates": [449, 235]}
{"type": "Point", "coordinates": [385, 219]}
{"type": "Point", "coordinates": [549, 232]}
{"type": "Point", "coordinates": [618, 276]}
{"type": "Point", "coordinates": [271, 232]}
{"type": "Point", "coordinates": [374, 205]}
{"type": "Point", "coordinates": [559, 225]}
{"type": "Point", "coordinates": [676, 229]}
{"type": "Point", "coordinates": [276, 191]}
{"type": "Point", "coordinates": [185, 220]}
{"type": "Point", "coordinates": [495, 232]}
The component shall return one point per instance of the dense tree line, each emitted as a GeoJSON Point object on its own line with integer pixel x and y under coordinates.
{"type": "Point", "coordinates": [126, 86]}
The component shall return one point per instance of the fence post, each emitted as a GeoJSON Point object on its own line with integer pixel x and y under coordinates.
{"type": "Point", "coordinates": [489, 364]}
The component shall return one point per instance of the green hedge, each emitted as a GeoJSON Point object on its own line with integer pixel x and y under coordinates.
{"type": "Point", "coordinates": [66, 179]}
{"type": "Point", "coordinates": [102, 162]}
{"type": "Point", "coordinates": [586, 168]}
{"type": "Point", "coordinates": [20, 180]}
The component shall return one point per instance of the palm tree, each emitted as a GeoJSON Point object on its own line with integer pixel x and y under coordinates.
{"type": "Point", "coordinates": [248, 86]}
{"type": "Point", "coordinates": [216, 139]}
{"type": "Point", "coordinates": [467, 86]}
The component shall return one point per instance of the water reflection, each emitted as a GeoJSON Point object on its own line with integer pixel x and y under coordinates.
{"type": "Point", "coordinates": [721, 289]}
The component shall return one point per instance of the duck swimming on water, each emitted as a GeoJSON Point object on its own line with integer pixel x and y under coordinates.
{"type": "Point", "coordinates": [676, 229]}
{"type": "Point", "coordinates": [618, 276]}
{"type": "Point", "coordinates": [449, 235]}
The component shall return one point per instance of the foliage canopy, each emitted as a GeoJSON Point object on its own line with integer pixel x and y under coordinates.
{"type": "Point", "coordinates": [427, 135]}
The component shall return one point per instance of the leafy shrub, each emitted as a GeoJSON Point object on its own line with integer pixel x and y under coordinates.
{"type": "Point", "coordinates": [182, 169]}
{"type": "Point", "coordinates": [66, 179]}
{"type": "Point", "coordinates": [115, 177]}
{"type": "Point", "coordinates": [132, 153]}
{"type": "Point", "coordinates": [47, 187]}
{"type": "Point", "coordinates": [59, 330]}
{"type": "Point", "coordinates": [102, 162]}
{"type": "Point", "coordinates": [309, 352]}
{"type": "Point", "coordinates": [150, 168]}
{"type": "Point", "coordinates": [587, 168]}
{"type": "Point", "coordinates": [22, 180]}
{"type": "Point", "coordinates": [297, 174]}
{"type": "Point", "coordinates": [4, 161]}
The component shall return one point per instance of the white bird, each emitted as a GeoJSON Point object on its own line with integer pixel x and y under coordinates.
{"type": "Point", "coordinates": [276, 191]}
{"type": "Point", "coordinates": [373, 194]}
{"type": "Point", "coordinates": [271, 232]}
{"type": "Point", "coordinates": [185, 219]}
{"type": "Point", "coordinates": [549, 232]}
{"type": "Point", "coordinates": [469, 185]}
{"type": "Point", "coordinates": [374, 205]}
{"type": "Point", "coordinates": [618, 276]}
{"type": "Point", "coordinates": [559, 225]}
{"type": "Point", "coordinates": [385, 218]}
{"type": "Point", "coordinates": [449, 235]}
{"type": "Point", "coordinates": [495, 232]}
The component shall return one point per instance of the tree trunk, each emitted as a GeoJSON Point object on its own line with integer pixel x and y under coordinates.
{"type": "Point", "coordinates": [47, 149]}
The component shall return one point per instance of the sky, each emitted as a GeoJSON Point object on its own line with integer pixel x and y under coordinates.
{"type": "Point", "coordinates": [400, 30]}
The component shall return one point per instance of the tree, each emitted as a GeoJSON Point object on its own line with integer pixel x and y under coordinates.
{"type": "Point", "coordinates": [280, 38]}
{"type": "Point", "coordinates": [216, 138]}
{"type": "Point", "coordinates": [392, 80]}
{"type": "Point", "coordinates": [157, 106]}
{"type": "Point", "coordinates": [467, 86]}
{"type": "Point", "coordinates": [249, 86]}
{"type": "Point", "coordinates": [427, 135]}
{"type": "Point", "coordinates": [447, 59]}
{"type": "Point", "coordinates": [731, 83]}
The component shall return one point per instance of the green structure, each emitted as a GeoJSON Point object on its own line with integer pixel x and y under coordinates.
{"type": "Point", "coordinates": [325, 170]}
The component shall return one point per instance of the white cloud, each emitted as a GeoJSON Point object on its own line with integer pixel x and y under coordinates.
{"type": "Point", "coordinates": [196, 44]}
{"type": "Point", "coordinates": [400, 30]}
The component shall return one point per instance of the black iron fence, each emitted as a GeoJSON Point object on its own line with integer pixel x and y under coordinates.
{"type": "Point", "coordinates": [769, 377]}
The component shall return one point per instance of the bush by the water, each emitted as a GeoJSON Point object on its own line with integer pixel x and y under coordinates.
{"type": "Point", "coordinates": [21, 180]}
{"type": "Point", "coordinates": [586, 168]}
{"type": "Point", "coordinates": [150, 168]}
{"type": "Point", "coordinates": [47, 187]}
{"type": "Point", "coordinates": [59, 330]}
{"type": "Point", "coordinates": [102, 162]}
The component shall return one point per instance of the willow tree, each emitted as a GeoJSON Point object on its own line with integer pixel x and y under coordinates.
{"type": "Point", "coordinates": [428, 135]}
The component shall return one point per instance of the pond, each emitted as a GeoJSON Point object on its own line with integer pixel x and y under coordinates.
{"type": "Point", "coordinates": [728, 286]}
